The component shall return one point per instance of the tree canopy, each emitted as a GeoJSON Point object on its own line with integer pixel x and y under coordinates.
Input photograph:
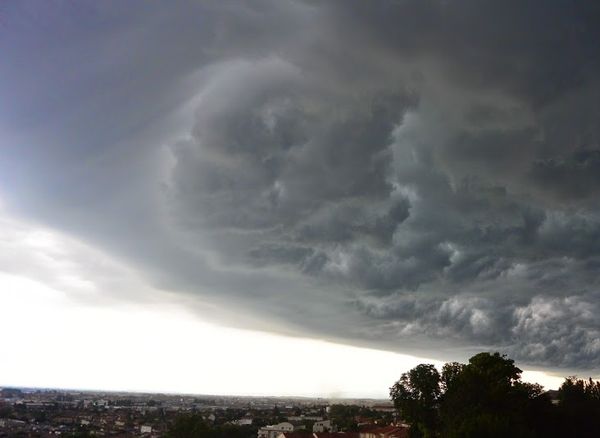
{"type": "Point", "coordinates": [487, 398]}
{"type": "Point", "coordinates": [416, 395]}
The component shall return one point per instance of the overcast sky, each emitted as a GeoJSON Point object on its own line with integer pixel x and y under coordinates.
{"type": "Point", "coordinates": [395, 179]}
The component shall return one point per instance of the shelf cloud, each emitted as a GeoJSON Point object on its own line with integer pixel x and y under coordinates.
{"type": "Point", "coordinates": [418, 176]}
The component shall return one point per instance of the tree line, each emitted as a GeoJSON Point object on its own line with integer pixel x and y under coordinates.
{"type": "Point", "coordinates": [486, 398]}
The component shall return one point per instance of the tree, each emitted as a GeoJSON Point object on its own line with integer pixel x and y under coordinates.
{"type": "Point", "coordinates": [416, 395]}
{"type": "Point", "coordinates": [579, 405]}
{"type": "Point", "coordinates": [189, 426]}
{"type": "Point", "coordinates": [194, 426]}
{"type": "Point", "coordinates": [450, 371]}
{"type": "Point", "coordinates": [343, 416]}
{"type": "Point", "coordinates": [484, 398]}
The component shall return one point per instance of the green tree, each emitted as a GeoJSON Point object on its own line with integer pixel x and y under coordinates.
{"type": "Point", "coordinates": [194, 426]}
{"type": "Point", "coordinates": [579, 406]}
{"type": "Point", "coordinates": [190, 426]}
{"type": "Point", "coordinates": [486, 398]}
{"type": "Point", "coordinates": [343, 417]}
{"type": "Point", "coordinates": [416, 396]}
{"type": "Point", "coordinates": [483, 398]}
{"type": "Point", "coordinates": [450, 371]}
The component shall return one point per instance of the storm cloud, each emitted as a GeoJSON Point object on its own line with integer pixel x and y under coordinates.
{"type": "Point", "coordinates": [420, 176]}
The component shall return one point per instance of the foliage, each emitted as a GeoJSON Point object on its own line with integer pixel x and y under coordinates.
{"type": "Point", "coordinates": [416, 395]}
{"type": "Point", "coordinates": [343, 416]}
{"type": "Point", "coordinates": [6, 411]}
{"type": "Point", "coordinates": [450, 371]}
{"type": "Point", "coordinates": [579, 402]}
{"type": "Point", "coordinates": [189, 426]}
{"type": "Point", "coordinates": [82, 432]}
{"type": "Point", "coordinates": [486, 398]}
{"type": "Point", "coordinates": [194, 426]}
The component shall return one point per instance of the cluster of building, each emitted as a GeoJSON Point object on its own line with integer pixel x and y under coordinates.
{"type": "Point", "coordinates": [327, 430]}
{"type": "Point", "coordinates": [52, 413]}
{"type": "Point", "coordinates": [275, 430]}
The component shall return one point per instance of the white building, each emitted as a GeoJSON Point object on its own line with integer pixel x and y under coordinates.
{"type": "Point", "coordinates": [272, 431]}
{"type": "Point", "coordinates": [323, 426]}
{"type": "Point", "coordinates": [145, 429]}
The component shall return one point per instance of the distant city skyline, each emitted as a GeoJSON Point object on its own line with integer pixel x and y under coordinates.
{"type": "Point", "coordinates": [292, 197]}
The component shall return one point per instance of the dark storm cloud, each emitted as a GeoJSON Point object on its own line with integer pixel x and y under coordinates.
{"type": "Point", "coordinates": [391, 173]}
{"type": "Point", "coordinates": [538, 51]}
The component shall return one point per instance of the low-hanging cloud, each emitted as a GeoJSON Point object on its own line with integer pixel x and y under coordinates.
{"type": "Point", "coordinates": [395, 173]}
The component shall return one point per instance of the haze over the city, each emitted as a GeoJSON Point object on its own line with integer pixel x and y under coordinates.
{"type": "Point", "coordinates": [286, 197]}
